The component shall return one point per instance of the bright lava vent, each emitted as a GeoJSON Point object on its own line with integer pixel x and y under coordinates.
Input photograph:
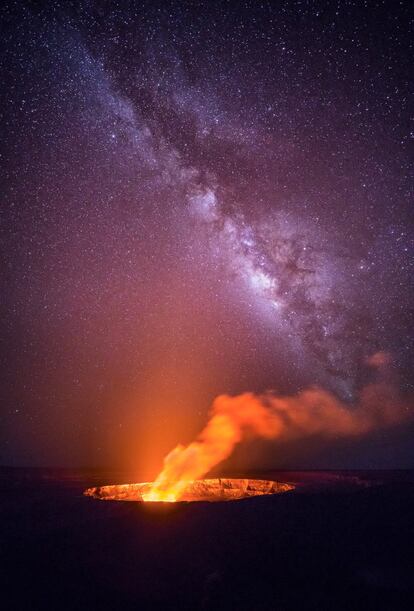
{"type": "Point", "coordinates": [211, 490]}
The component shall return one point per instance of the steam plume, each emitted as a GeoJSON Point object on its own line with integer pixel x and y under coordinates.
{"type": "Point", "coordinates": [271, 416]}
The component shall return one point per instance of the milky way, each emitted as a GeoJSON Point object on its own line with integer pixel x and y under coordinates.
{"type": "Point", "coordinates": [209, 201]}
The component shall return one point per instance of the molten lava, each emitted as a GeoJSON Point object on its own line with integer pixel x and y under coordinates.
{"type": "Point", "coordinates": [211, 490]}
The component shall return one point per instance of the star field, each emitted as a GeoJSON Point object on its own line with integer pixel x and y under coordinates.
{"type": "Point", "coordinates": [197, 198]}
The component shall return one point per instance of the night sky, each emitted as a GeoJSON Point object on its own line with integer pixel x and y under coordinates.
{"type": "Point", "coordinates": [200, 198]}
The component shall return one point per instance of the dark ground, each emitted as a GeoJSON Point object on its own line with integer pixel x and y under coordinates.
{"type": "Point", "coordinates": [340, 541]}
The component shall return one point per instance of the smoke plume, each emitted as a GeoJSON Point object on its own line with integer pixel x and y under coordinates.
{"type": "Point", "coordinates": [271, 416]}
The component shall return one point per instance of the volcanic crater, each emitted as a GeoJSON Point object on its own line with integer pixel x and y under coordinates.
{"type": "Point", "coordinates": [210, 490]}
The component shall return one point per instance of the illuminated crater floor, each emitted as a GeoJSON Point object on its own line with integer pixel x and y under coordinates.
{"type": "Point", "coordinates": [211, 490]}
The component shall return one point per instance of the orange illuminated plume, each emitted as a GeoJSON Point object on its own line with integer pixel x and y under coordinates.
{"type": "Point", "coordinates": [311, 412]}
{"type": "Point", "coordinates": [232, 418]}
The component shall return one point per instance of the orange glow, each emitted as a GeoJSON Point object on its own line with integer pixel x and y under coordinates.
{"type": "Point", "coordinates": [231, 418]}
{"type": "Point", "coordinates": [310, 412]}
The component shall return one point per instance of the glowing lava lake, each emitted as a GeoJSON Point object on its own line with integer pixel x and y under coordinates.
{"type": "Point", "coordinates": [210, 490]}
